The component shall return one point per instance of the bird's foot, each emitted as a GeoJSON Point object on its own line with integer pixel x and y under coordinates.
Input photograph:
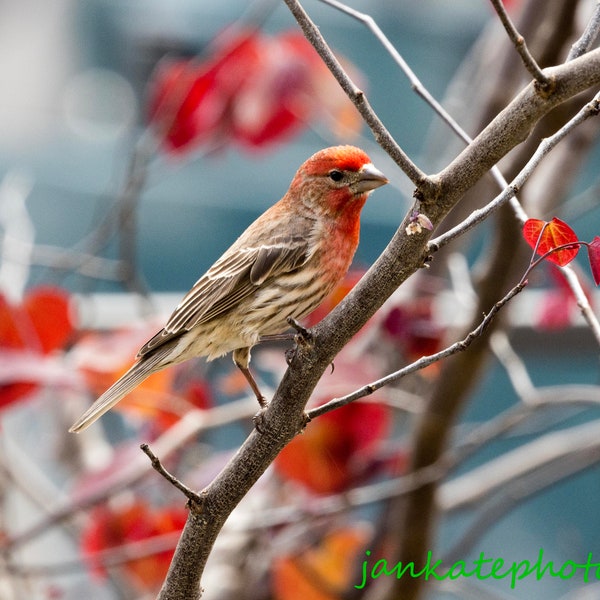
{"type": "Point", "coordinates": [260, 423]}
{"type": "Point", "coordinates": [262, 401]}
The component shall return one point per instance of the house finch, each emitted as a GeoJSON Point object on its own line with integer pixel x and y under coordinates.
{"type": "Point", "coordinates": [282, 266]}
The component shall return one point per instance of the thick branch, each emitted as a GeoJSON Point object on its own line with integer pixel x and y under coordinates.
{"type": "Point", "coordinates": [511, 127]}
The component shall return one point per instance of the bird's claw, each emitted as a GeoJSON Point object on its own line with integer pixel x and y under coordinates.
{"type": "Point", "coordinates": [262, 401]}
{"type": "Point", "coordinates": [259, 420]}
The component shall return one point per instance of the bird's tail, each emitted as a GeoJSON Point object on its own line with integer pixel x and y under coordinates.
{"type": "Point", "coordinates": [138, 372]}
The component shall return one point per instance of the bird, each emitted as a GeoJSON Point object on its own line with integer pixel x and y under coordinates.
{"type": "Point", "coordinates": [280, 268]}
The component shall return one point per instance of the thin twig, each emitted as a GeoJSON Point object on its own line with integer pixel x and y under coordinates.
{"type": "Point", "coordinates": [421, 90]}
{"type": "Point", "coordinates": [588, 37]}
{"type": "Point", "coordinates": [419, 364]}
{"type": "Point", "coordinates": [519, 41]}
{"type": "Point", "coordinates": [188, 427]}
{"type": "Point", "coordinates": [111, 557]}
{"type": "Point", "coordinates": [591, 109]}
{"type": "Point", "coordinates": [415, 82]}
{"type": "Point", "coordinates": [356, 95]}
{"type": "Point", "coordinates": [192, 496]}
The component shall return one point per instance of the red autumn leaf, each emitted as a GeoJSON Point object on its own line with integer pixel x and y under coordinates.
{"type": "Point", "coordinates": [290, 87]}
{"type": "Point", "coordinates": [190, 99]}
{"type": "Point", "coordinates": [136, 521]}
{"type": "Point", "coordinates": [41, 324]}
{"type": "Point", "coordinates": [9, 331]}
{"type": "Point", "coordinates": [337, 449]}
{"type": "Point", "coordinates": [249, 88]}
{"type": "Point", "coordinates": [48, 309]}
{"type": "Point", "coordinates": [552, 234]}
{"type": "Point", "coordinates": [10, 341]}
{"type": "Point", "coordinates": [594, 257]}
{"type": "Point", "coordinates": [277, 99]}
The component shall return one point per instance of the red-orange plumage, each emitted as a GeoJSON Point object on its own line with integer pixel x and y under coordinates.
{"type": "Point", "coordinates": [344, 158]}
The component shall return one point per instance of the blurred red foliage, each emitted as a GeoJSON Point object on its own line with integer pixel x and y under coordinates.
{"type": "Point", "coordinates": [322, 572]}
{"type": "Point", "coordinates": [41, 324]}
{"type": "Point", "coordinates": [132, 522]}
{"type": "Point", "coordinates": [248, 88]}
{"type": "Point", "coordinates": [337, 450]}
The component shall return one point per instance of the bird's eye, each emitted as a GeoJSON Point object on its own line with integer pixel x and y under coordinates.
{"type": "Point", "coordinates": [336, 175]}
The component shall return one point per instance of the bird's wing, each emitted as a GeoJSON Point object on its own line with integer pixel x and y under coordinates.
{"type": "Point", "coordinates": [235, 276]}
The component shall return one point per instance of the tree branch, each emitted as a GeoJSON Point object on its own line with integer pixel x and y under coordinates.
{"type": "Point", "coordinates": [588, 37]}
{"type": "Point", "coordinates": [421, 363]}
{"type": "Point", "coordinates": [519, 42]}
{"type": "Point", "coordinates": [357, 96]}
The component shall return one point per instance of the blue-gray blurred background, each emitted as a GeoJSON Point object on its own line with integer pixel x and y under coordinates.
{"type": "Point", "coordinates": [74, 90]}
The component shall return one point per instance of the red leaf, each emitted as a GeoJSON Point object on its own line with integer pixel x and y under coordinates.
{"type": "Point", "coordinates": [39, 325]}
{"type": "Point", "coordinates": [43, 322]}
{"type": "Point", "coordinates": [290, 87]}
{"type": "Point", "coordinates": [337, 450]}
{"type": "Point", "coordinates": [51, 317]}
{"type": "Point", "coordinates": [594, 256]}
{"type": "Point", "coordinates": [281, 94]}
{"type": "Point", "coordinates": [190, 100]}
{"type": "Point", "coordinates": [551, 235]}
{"type": "Point", "coordinates": [110, 527]}
{"type": "Point", "coordinates": [10, 336]}
{"type": "Point", "coordinates": [250, 89]}
{"type": "Point", "coordinates": [10, 339]}
{"type": "Point", "coordinates": [322, 571]}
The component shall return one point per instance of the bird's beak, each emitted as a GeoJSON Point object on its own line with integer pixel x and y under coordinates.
{"type": "Point", "coordinates": [369, 178]}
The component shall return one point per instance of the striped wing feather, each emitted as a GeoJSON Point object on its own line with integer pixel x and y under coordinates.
{"type": "Point", "coordinates": [235, 276]}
